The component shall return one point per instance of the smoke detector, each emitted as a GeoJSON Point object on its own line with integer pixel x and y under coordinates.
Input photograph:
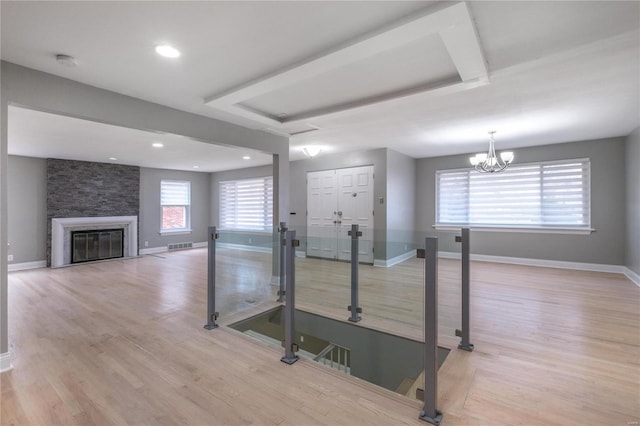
{"type": "Point", "coordinates": [66, 60]}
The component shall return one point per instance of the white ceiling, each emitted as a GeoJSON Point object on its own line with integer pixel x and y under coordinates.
{"type": "Point", "coordinates": [557, 71]}
{"type": "Point", "coordinates": [40, 134]}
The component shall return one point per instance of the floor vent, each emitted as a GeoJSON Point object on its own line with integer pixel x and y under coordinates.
{"type": "Point", "coordinates": [180, 246]}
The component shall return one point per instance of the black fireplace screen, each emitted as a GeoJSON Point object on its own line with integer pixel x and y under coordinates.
{"type": "Point", "coordinates": [96, 245]}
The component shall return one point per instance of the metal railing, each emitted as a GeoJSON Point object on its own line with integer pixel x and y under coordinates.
{"type": "Point", "coordinates": [355, 263]}
{"type": "Point", "coordinates": [212, 315]}
{"type": "Point", "coordinates": [465, 329]}
{"type": "Point", "coordinates": [290, 346]}
{"type": "Point", "coordinates": [429, 411]}
{"type": "Point", "coordinates": [336, 357]}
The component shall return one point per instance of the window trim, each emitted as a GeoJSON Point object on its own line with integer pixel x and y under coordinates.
{"type": "Point", "coordinates": [180, 231]}
{"type": "Point", "coordinates": [523, 229]}
{"type": "Point", "coordinates": [176, 231]}
{"type": "Point", "coordinates": [541, 229]}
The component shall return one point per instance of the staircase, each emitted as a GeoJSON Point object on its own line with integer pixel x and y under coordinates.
{"type": "Point", "coordinates": [336, 357]}
{"type": "Point", "coordinates": [333, 356]}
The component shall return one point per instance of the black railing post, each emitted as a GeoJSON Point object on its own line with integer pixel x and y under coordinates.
{"type": "Point", "coordinates": [281, 290]}
{"type": "Point", "coordinates": [290, 347]}
{"type": "Point", "coordinates": [212, 315]}
{"type": "Point", "coordinates": [354, 308]}
{"type": "Point", "coordinates": [429, 412]}
{"type": "Point", "coordinates": [465, 332]}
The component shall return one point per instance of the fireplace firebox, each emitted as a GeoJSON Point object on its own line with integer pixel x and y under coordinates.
{"type": "Point", "coordinates": [101, 244]}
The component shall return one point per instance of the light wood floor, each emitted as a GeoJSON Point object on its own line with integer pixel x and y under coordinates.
{"type": "Point", "coordinates": [122, 342]}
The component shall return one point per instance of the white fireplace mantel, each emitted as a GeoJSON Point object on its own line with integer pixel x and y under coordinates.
{"type": "Point", "coordinates": [62, 227]}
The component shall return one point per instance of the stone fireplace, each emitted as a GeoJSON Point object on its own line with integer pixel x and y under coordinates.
{"type": "Point", "coordinates": [62, 229]}
{"type": "Point", "coordinates": [84, 195]}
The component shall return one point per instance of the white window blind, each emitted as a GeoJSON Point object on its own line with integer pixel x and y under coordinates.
{"type": "Point", "coordinates": [537, 195]}
{"type": "Point", "coordinates": [175, 202]}
{"type": "Point", "coordinates": [175, 193]}
{"type": "Point", "coordinates": [247, 204]}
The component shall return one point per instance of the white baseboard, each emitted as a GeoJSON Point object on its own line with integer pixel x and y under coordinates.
{"type": "Point", "coordinates": [245, 247]}
{"type": "Point", "coordinates": [301, 253]}
{"type": "Point", "coordinates": [27, 265]}
{"type": "Point", "coordinates": [154, 250]}
{"type": "Point", "coordinates": [594, 267]}
{"type": "Point", "coordinates": [395, 260]}
{"type": "Point", "coordinates": [632, 276]}
{"type": "Point", "coordinates": [5, 362]}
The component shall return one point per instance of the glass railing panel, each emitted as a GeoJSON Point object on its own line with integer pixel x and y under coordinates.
{"type": "Point", "coordinates": [386, 346]}
{"type": "Point", "coordinates": [245, 271]}
{"type": "Point", "coordinates": [449, 281]}
{"type": "Point", "coordinates": [322, 279]}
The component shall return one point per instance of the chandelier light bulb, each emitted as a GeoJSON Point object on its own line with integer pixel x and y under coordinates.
{"type": "Point", "coordinates": [507, 156]}
{"type": "Point", "coordinates": [489, 162]}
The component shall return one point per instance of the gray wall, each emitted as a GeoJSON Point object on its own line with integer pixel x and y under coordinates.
{"type": "Point", "coordinates": [89, 189]}
{"type": "Point", "coordinates": [247, 238]}
{"type": "Point", "coordinates": [298, 190]}
{"type": "Point", "coordinates": [27, 191]}
{"type": "Point", "coordinates": [27, 198]}
{"type": "Point", "coordinates": [632, 156]}
{"type": "Point", "coordinates": [604, 246]}
{"type": "Point", "coordinates": [377, 357]}
{"type": "Point", "coordinates": [150, 212]}
{"type": "Point", "coordinates": [401, 203]}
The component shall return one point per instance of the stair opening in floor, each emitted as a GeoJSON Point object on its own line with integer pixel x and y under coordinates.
{"type": "Point", "coordinates": [386, 360]}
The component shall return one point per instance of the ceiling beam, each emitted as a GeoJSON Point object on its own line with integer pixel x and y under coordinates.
{"type": "Point", "coordinates": [453, 23]}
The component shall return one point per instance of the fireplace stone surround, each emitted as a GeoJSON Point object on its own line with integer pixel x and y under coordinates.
{"type": "Point", "coordinates": [85, 189]}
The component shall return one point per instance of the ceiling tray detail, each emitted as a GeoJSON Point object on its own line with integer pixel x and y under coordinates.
{"type": "Point", "coordinates": [439, 49]}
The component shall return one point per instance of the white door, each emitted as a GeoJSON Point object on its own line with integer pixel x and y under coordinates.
{"type": "Point", "coordinates": [336, 199]}
{"type": "Point", "coordinates": [321, 214]}
{"type": "Point", "coordinates": [355, 207]}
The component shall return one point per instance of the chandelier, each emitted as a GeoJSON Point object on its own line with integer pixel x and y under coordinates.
{"type": "Point", "coordinates": [489, 162]}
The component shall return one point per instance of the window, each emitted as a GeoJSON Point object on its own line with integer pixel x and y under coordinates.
{"type": "Point", "coordinates": [553, 194]}
{"type": "Point", "coordinates": [247, 204]}
{"type": "Point", "coordinates": [175, 200]}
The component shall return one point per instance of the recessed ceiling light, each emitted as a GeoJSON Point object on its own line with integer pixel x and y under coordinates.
{"type": "Point", "coordinates": [157, 144]}
{"type": "Point", "coordinates": [196, 167]}
{"type": "Point", "coordinates": [311, 151]}
{"type": "Point", "coordinates": [167, 51]}
{"type": "Point", "coordinates": [112, 158]}
{"type": "Point", "coordinates": [246, 157]}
